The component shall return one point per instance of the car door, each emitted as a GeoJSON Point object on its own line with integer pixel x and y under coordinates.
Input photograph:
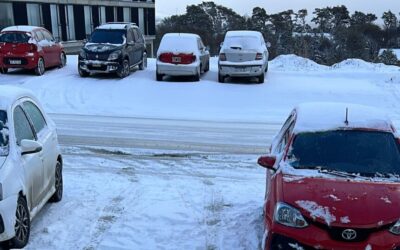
{"type": "Point", "coordinates": [44, 46]}
{"type": "Point", "coordinates": [139, 45]}
{"type": "Point", "coordinates": [47, 138]}
{"type": "Point", "coordinates": [53, 48]}
{"type": "Point", "coordinates": [130, 43]}
{"type": "Point", "coordinates": [31, 163]}
{"type": "Point", "coordinates": [204, 54]}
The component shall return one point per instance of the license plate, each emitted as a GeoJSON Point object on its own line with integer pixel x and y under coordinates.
{"type": "Point", "coordinates": [241, 70]}
{"type": "Point", "coordinates": [15, 61]}
{"type": "Point", "coordinates": [176, 59]}
{"type": "Point", "coordinates": [96, 65]}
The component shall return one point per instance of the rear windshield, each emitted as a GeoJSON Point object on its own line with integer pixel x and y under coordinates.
{"type": "Point", "coordinates": [367, 153]}
{"type": "Point", "coordinates": [3, 134]}
{"type": "Point", "coordinates": [178, 43]}
{"type": "Point", "coordinates": [242, 42]}
{"type": "Point", "coordinates": [108, 36]}
{"type": "Point", "coordinates": [14, 37]}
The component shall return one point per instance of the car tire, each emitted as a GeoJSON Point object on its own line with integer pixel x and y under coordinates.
{"type": "Point", "coordinates": [124, 70]}
{"type": "Point", "coordinates": [266, 68]}
{"type": "Point", "coordinates": [261, 78]}
{"type": "Point", "coordinates": [3, 70]}
{"type": "Point", "coordinates": [83, 73]}
{"type": "Point", "coordinates": [207, 67]}
{"type": "Point", "coordinates": [221, 78]}
{"type": "Point", "coordinates": [58, 183]}
{"type": "Point", "coordinates": [143, 64]}
{"type": "Point", "coordinates": [63, 60]}
{"type": "Point", "coordinates": [196, 77]}
{"type": "Point", "coordinates": [159, 77]}
{"type": "Point", "coordinates": [40, 67]}
{"type": "Point", "coordinates": [22, 225]}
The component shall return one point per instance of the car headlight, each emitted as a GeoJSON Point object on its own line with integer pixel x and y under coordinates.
{"type": "Point", "coordinates": [82, 54]}
{"type": "Point", "coordinates": [395, 229]}
{"type": "Point", "coordinates": [115, 55]}
{"type": "Point", "coordinates": [289, 216]}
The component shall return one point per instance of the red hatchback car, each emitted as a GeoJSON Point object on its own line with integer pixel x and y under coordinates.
{"type": "Point", "coordinates": [333, 180]}
{"type": "Point", "coordinates": [29, 47]}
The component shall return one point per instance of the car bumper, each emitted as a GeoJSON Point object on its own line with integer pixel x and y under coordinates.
{"type": "Point", "coordinates": [312, 237]}
{"type": "Point", "coordinates": [177, 69]}
{"type": "Point", "coordinates": [93, 66]}
{"type": "Point", "coordinates": [241, 70]}
{"type": "Point", "coordinates": [8, 207]}
{"type": "Point", "coordinates": [27, 61]}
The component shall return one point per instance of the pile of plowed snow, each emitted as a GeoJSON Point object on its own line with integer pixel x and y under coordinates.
{"type": "Point", "coordinates": [297, 63]}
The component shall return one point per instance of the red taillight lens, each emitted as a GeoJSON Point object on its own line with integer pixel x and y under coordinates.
{"type": "Point", "coordinates": [222, 57]}
{"type": "Point", "coordinates": [259, 56]}
{"type": "Point", "coordinates": [165, 57]}
{"type": "Point", "coordinates": [177, 58]}
{"type": "Point", "coordinates": [32, 48]}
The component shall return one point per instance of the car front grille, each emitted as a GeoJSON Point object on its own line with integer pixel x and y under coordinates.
{"type": "Point", "coordinates": [96, 56]}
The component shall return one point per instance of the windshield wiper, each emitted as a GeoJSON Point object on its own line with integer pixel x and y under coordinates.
{"type": "Point", "coordinates": [339, 173]}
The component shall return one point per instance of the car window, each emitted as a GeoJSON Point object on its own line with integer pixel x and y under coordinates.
{"type": "Point", "coordinates": [200, 43]}
{"type": "Point", "coordinates": [36, 116]}
{"type": "Point", "coordinates": [47, 36]}
{"type": "Point", "coordinates": [14, 37]}
{"type": "Point", "coordinates": [3, 134]}
{"type": "Point", "coordinates": [130, 36]}
{"type": "Point", "coordinates": [39, 36]}
{"type": "Point", "coordinates": [140, 36]}
{"type": "Point", "coordinates": [23, 129]}
{"type": "Point", "coordinates": [136, 35]}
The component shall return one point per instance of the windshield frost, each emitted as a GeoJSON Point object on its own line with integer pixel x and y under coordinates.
{"type": "Point", "coordinates": [243, 41]}
{"type": "Point", "coordinates": [108, 36]}
{"type": "Point", "coordinates": [3, 134]}
{"type": "Point", "coordinates": [365, 152]}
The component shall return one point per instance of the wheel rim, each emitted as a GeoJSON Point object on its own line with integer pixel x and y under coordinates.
{"type": "Point", "coordinates": [59, 182]}
{"type": "Point", "coordinates": [62, 59]}
{"type": "Point", "coordinates": [41, 66]}
{"type": "Point", "coordinates": [126, 68]}
{"type": "Point", "coordinates": [22, 223]}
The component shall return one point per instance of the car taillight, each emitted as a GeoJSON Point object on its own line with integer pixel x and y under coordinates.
{"type": "Point", "coordinates": [259, 56]}
{"type": "Point", "coordinates": [222, 57]}
{"type": "Point", "coordinates": [165, 57]}
{"type": "Point", "coordinates": [32, 48]}
{"type": "Point", "coordinates": [186, 58]}
{"type": "Point", "coordinates": [177, 58]}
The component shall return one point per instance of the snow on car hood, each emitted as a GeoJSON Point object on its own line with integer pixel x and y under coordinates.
{"type": "Point", "coordinates": [341, 201]}
{"type": "Point", "coordinates": [95, 47]}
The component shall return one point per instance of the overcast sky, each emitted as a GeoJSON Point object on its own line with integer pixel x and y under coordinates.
{"type": "Point", "coordinates": [166, 8]}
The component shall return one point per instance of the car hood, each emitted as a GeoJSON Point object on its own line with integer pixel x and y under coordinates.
{"type": "Point", "coordinates": [100, 47]}
{"type": "Point", "coordinates": [343, 202]}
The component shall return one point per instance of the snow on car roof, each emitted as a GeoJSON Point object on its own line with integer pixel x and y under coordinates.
{"type": "Point", "coordinates": [23, 28]}
{"type": "Point", "coordinates": [328, 116]}
{"type": "Point", "coordinates": [8, 95]}
{"type": "Point", "coordinates": [115, 26]}
{"type": "Point", "coordinates": [178, 42]}
{"type": "Point", "coordinates": [243, 33]}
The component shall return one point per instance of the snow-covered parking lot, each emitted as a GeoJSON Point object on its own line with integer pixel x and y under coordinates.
{"type": "Point", "coordinates": [172, 165]}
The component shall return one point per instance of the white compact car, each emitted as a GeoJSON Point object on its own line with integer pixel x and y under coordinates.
{"type": "Point", "coordinates": [243, 54]}
{"type": "Point", "coordinates": [182, 54]}
{"type": "Point", "coordinates": [30, 164]}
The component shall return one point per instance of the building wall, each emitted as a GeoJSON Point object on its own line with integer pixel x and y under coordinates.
{"type": "Point", "coordinates": [75, 20]}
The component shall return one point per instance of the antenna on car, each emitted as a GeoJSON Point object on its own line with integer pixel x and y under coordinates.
{"type": "Point", "coordinates": [347, 117]}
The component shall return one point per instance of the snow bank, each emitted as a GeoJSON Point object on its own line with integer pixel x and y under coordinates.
{"type": "Point", "coordinates": [361, 65]}
{"type": "Point", "coordinates": [295, 63]}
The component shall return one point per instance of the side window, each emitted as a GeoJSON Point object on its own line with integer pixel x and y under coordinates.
{"type": "Point", "coordinates": [139, 35]}
{"type": "Point", "coordinates": [47, 36]}
{"type": "Point", "coordinates": [35, 115]}
{"type": "Point", "coordinates": [285, 137]}
{"type": "Point", "coordinates": [129, 36]}
{"type": "Point", "coordinates": [136, 35]}
{"type": "Point", "coordinates": [22, 126]}
{"type": "Point", "coordinates": [201, 45]}
{"type": "Point", "coordinates": [39, 36]}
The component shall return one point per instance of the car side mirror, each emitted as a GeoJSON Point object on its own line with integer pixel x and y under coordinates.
{"type": "Point", "coordinates": [268, 45]}
{"type": "Point", "coordinates": [30, 147]}
{"type": "Point", "coordinates": [267, 162]}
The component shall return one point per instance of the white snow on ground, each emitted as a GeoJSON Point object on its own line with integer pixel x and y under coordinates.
{"type": "Point", "coordinates": [317, 211]}
{"type": "Point", "coordinates": [291, 80]}
{"type": "Point", "coordinates": [149, 199]}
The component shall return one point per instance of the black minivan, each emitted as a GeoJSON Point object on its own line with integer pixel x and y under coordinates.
{"type": "Point", "coordinates": [113, 48]}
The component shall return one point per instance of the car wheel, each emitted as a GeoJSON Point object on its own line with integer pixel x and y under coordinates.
{"type": "Point", "coordinates": [4, 70]}
{"type": "Point", "coordinates": [22, 224]}
{"type": "Point", "coordinates": [266, 68]}
{"type": "Point", "coordinates": [159, 77]}
{"type": "Point", "coordinates": [63, 60]}
{"type": "Point", "coordinates": [261, 78]}
{"type": "Point", "coordinates": [40, 67]}
{"type": "Point", "coordinates": [124, 70]}
{"type": "Point", "coordinates": [207, 67]}
{"type": "Point", "coordinates": [221, 78]}
{"type": "Point", "coordinates": [82, 73]}
{"type": "Point", "coordinates": [143, 64]}
{"type": "Point", "coordinates": [197, 76]}
{"type": "Point", "coordinates": [57, 196]}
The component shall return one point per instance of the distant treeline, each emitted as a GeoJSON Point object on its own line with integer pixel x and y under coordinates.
{"type": "Point", "coordinates": [334, 34]}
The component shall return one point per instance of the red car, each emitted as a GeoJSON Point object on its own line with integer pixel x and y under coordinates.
{"type": "Point", "coordinates": [333, 180]}
{"type": "Point", "coordinates": [29, 47]}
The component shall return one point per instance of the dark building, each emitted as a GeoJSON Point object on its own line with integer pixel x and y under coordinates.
{"type": "Point", "coordinates": [74, 20]}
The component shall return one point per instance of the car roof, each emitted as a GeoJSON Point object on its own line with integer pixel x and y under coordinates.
{"type": "Point", "coordinates": [186, 35]}
{"type": "Point", "coordinates": [116, 25]}
{"type": "Point", "coordinates": [23, 28]}
{"type": "Point", "coordinates": [9, 94]}
{"type": "Point", "coordinates": [314, 117]}
{"type": "Point", "coordinates": [243, 33]}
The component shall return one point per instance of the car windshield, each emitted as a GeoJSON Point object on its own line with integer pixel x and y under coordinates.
{"type": "Point", "coordinates": [368, 153]}
{"type": "Point", "coordinates": [14, 37]}
{"type": "Point", "coordinates": [3, 134]}
{"type": "Point", "coordinates": [243, 42]}
{"type": "Point", "coordinates": [108, 36]}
